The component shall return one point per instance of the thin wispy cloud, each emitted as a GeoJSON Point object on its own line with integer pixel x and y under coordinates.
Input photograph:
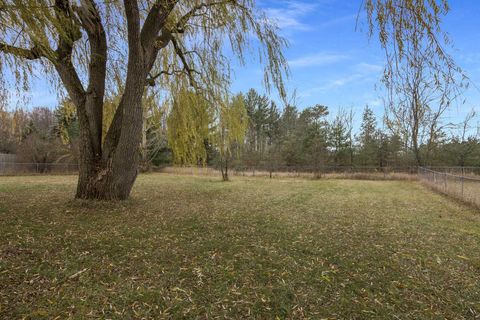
{"type": "Point", "coordinates": [300, 7]}
{"type": "Point", "coordinates": [368, 68]}
{"type": "Point", "coordinates": [289, 15]}
{"type": "Point", "coordinates": [318, 59]}
{"type": "Point", "coordinates": [375, 103]}
{"type": "Point", "coordinates": [471, 57]}
{"type": "Point", "coordinates": [342, 81]}
{"type": "Point", "coordinates": [338, 21]}
{"type": "Point", "coordinates": [360, 72]}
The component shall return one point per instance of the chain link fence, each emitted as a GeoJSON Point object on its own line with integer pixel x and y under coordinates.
{"type": "Point", "coordinates": [360, 172]}
{"type": "Point", "coordinates": [461, 186]}
{"type": "Point", "coordinates": [460, 182]}
{"type": "Point", "coordinates": [19, 168]}
{"type": "Point", "coordinates": [458, 171]}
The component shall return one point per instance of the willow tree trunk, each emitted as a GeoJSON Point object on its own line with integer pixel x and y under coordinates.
{"type": "Point", "coordinates": [111, 173]}
{"type": "Point", "coordinates": [113, 177]}
{"type": "Point", "coordinates": [108, 171]}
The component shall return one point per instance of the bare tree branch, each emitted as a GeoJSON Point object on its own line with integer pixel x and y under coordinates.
{"type": "Point", "coordinates": [184, 19]}
{"type": "Point", "coordinates": [190, 71]}
{"type": "Point", "coordinates": [29, 54]}
{"type": "Point", "coordinates": [155, 21]}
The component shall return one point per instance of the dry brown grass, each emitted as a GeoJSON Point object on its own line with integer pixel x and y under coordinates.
{"type": "Point", "coordinates": [467, 191]}
{"type": "Point", "coordinates": [189, 247]}
{"type": "Point", "coordinates": [211, 172]}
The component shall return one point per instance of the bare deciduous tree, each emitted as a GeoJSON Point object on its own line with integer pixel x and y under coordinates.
{"type": "Point", "coordinates": [421, 78]}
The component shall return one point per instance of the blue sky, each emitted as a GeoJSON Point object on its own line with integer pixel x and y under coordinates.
{"type": "Point", "coordinates": [334, 64]}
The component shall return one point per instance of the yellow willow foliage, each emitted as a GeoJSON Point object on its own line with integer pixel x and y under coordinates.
{"type": "Point", "coordinates": [4, 115]}
{"type": "Point", "coordinates": [188, 127]}
{"type": "Point", "coordinates": [201, 32]}
{"type": "Point", "coordinates": [109, 108]}
{"type": "Point", "coordinates": [231, 125]}
{"type": "Point", "coordinates": [13, 123]}
{"type": "Point", "coordinates": [68, 113]}
{"type": "Point", "coordinates": [19, 123]}
{"type": "Point", "coordinates": [398, 21]}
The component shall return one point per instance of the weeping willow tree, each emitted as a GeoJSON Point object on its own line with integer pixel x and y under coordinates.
{"type": "Point", "coordinates": [188, 126]}
{"type": "Point", "coordinates": [421, 78]}
{"type": "Point", "coordinates": [194, 121]}
{"type": "Point", "coordinates": [154, 136]}
{"type": "Point", "coordinates": [229, 131]}
{"type": "Point", "coordinates": [86, 47]}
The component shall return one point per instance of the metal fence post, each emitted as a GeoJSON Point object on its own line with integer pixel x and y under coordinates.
{"type": "Point", "coordinates": [461, 179]}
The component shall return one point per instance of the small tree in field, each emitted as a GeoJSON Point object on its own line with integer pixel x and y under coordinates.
{"type": "Point", "coordinates": [229, 133]}
{"type": "Point", "coordinates": [99, 49]}
{"type": "Point", "coordinates": [314, 133]}
{"type": "Point", "coordinates": [368, 139]}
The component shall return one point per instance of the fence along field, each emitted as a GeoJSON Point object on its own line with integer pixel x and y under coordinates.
{"type": "Point", "coordinates": [347, 172]}
{"type": "Point", "coordinates": [360, 172]}
{"type": "Point", "coordinates": [20, 168]}
{"type": "Point", "coordinates": [5, 160]}
{"type": "Point", "coordinates": [460, 182]}
{"type": "Point", "coordinates": [464, 186]}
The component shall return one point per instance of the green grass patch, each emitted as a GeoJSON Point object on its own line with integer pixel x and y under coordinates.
{"type": "Point", "coordinates": [196, 248]}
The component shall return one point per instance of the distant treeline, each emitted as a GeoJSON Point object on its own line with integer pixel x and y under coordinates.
{"type": "Point", "coordinates": [311, 137]}
{"type": "Point", "coordinates": [274, 137]}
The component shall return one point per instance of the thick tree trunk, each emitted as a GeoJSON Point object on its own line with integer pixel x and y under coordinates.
{"type": "Point", "coordinates": [107, 184]}
{"type": "Point", "coordinates": [108, 171]}
{"type": "Point", "coordinates": [111, 175]}
{"type": "Point", "coordinates": [110, 180]}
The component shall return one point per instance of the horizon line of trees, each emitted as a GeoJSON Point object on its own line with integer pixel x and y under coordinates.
{"type": "Point", "coordinates": [252, 131]}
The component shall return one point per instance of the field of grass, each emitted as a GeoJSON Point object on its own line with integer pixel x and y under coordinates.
{"type": "Point", "coordinates": [196, 248]}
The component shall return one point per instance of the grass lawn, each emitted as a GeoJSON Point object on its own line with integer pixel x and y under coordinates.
{"type": "Point", "coordinates": [196, 248]}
